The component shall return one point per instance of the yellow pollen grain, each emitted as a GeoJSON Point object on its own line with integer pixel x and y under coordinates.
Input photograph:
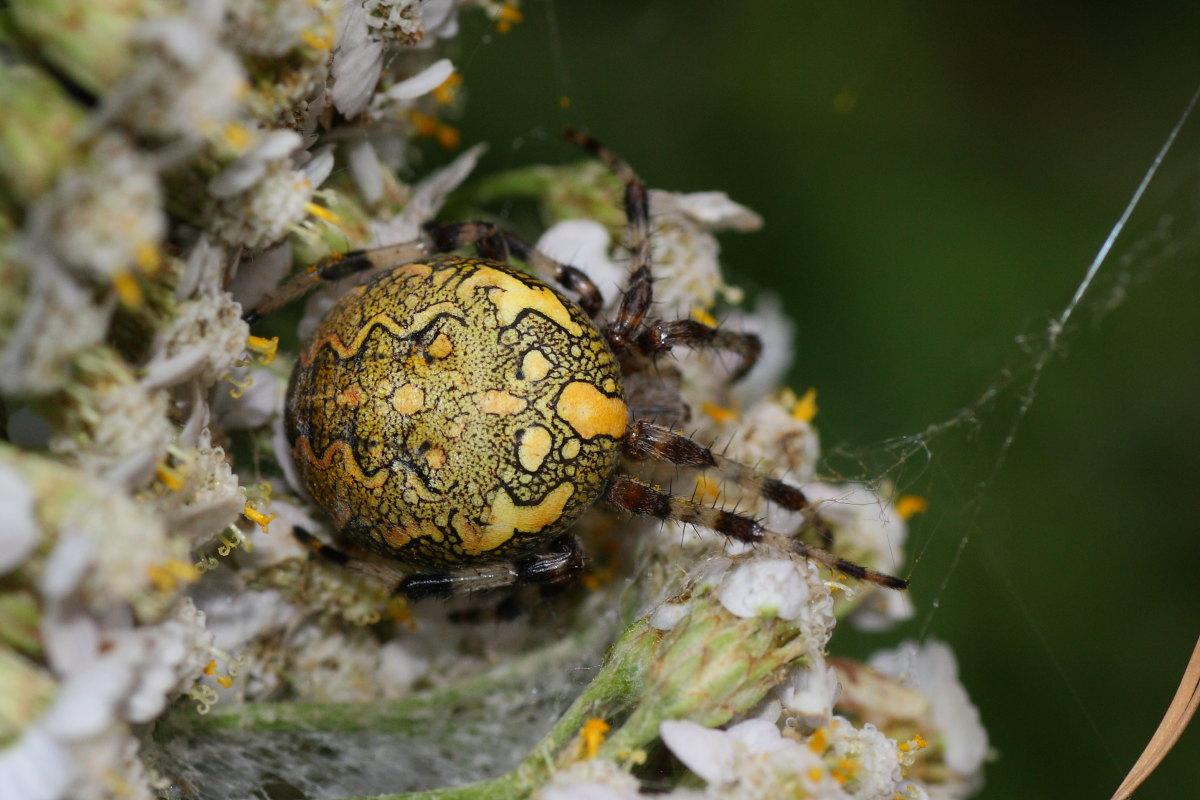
{"type": "Point", "coordinates": [436, 458]}
{"type": "Point", "coordinates": [507, 16]}
{"type": "Point", "coordinates": [703, 317]}
{"type": "Point", "coordinates": [719, 413]}
{"type": "Point", "coordinates": [323, 213]}
{"type": "Point", "coordinates": [815, 774]}
{"type": "Point", "coordinates": [236, 136]}
{"type": "Point", "coordinates": [535, 366]}
{"type": "Point", "coordinates": [495, 401]}
{"type": "Point", "coordinates": [448, 137]}
{"type": "Point", "coordinates": [805, 408]}
{"type": "Point", "coordinates": [592, 733]}
{"type": "Point", "coordinates": [408, 399]}
{"type": "Point", "coordinates": [128, 290]}
{"type": "Point", "coordinates": [257, 517]}
{"type": "Point", "coordinates": [441, 346]}
{"type": "Point", "coordinates": [146, 257]}
{"type": "Point", "coordinates": [909, 504]}
{"type": "Point", "coordinates": [590, 412]}
{"type": "Point", "coordinates": [707, 489]}
{"type": "Point", "coordinates": [266, 348]}
{"type": "Point", "coordinates": [535, 446]}
{"type": "Point", "coordinates": [319, 43]}
{"type": "Point", "coordinates": [514, 296]}
{"type": "Point", "coordinates": [170, 478]}
{"type": "Point", "coordinates": [818, 742]}
{"type": "Point", "coordinates": [424, 124]}
{"type": "Point", "coordinates": [225, 681]}
{"type": "Point", "coordinates": [445, 92]}
{"type": "Point", "coordinates": [210, 667]}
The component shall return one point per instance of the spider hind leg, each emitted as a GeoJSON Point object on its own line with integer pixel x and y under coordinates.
{"type": "Point", "coordinates": [637, 497]}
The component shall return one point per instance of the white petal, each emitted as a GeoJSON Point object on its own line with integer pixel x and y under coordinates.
{"type": "Point", "coordinates": [758, 736]}
{"type": "Point", "coordinates": [67, 565]}
{"type": "Point", "coordinates": [357, 61]}
{"type": "Point", "coordinates": [706, 752]}
{"type": "Point", "coordinates": [366, 170]}
{"type": "Point", "coordinates": [423, 82]}
{"type": "Point", "coordinates": [318, 168]}
{"type": "Point", "coordinates": [585, 244]}
{"type": "Point", "coordinates": [765, 587]}
{"type": "Point", "coordinates": [715, 211]}
{"type": "Point", "coordinates": [35, 768]}
{"type": "Point", "coordinates": [18, 528]}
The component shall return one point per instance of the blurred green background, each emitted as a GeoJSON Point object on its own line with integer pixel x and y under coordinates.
{"type": "Point", "coordinates": [935, 180]}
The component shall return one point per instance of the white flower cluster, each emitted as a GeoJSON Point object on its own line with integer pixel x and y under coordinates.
{"type": "Point", "coordinates": [125, 362]}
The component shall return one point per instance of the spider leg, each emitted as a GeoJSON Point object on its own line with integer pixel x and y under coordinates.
{"type": "Point", "coordinates": [322, 550]}
{"type": "Point", "coordinates": [639, 295]}
{"type": "Point", "coordinates": [498, 245]}
{"type": "Point", "coordinates": [629, 494]}
{"type": "Point", "coordinates": [332, 267]}
{"type": "Point", "coordinates": [647, 440]}
{"type": "Point", "coordinates": [548, 571]}
{"type": "Point", "coordinates": [661, 336]}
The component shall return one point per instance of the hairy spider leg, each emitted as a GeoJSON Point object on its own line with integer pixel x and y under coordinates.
{"type": "Point", "coordinates": [647, 440]}
{"type": "Point", "coordinates": [638, 497]}
{"type": "Point", "coordinates": [629, 328]}
{"type": "Point", "coordinates": [639, 294]}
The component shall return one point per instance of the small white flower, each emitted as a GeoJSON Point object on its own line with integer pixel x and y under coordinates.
{"type": "Point", "coordinates": [251, 166]}
{"type": "Point", "coordinates": [765, 588]}
{"type": "Point", "coordinates": [202, 342]}
{"type": "Point", "coordinates": [687, 273]}
{"type": "Point", "coordinates": [267, 29]}
{"type": "Point", "coordinates": [34, 361]}
{"type": "Point", "coordinates": [267, 211]}
{"type": "Point", "coordinates": [118, 430]}
{"type": "Point", "coordinates": [186, 84]}
{"type": "Point", "coordinates": [108, 214]}
{"type": "Point", "coordinates": [932, 669]}
{"type": "Point", "coordinates": [590, 779]}
{"type": "Point", "coordinates": [876, 759]}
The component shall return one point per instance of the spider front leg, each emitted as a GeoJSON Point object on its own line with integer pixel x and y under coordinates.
{"type": "Point", "coordinates": [647, 440]}
{"type": "Point", "coordinates": [497, 244]}
{"type": "Point", "coordinates": [548, 571]}
{"type": "Point", "coordinates": [629, 494]}
{"type": "Point", "coordinates": [661, 336]}
{"type": "Point", "coordinates": [639, 295]}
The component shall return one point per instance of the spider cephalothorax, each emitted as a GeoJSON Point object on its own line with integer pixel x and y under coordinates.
{"type": "Point", "coordinates": [457, 415]}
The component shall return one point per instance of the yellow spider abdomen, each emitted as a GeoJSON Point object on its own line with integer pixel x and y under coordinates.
{"type": "Point", "coordinates": [454, 411]}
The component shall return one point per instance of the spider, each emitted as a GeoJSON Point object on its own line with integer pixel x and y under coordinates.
{"type": "Point", "coordinates": [458, 415]}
